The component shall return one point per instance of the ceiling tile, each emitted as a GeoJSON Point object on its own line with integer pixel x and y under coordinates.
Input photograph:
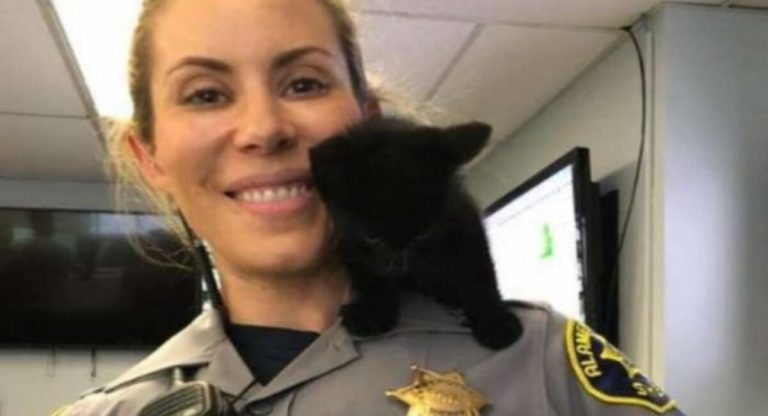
{"type": "Point", "coordinates": [34, 78]}
{"type": "Point", "coordinates": [511, 72]}
{"type": "Point", "coordinates": [40, 148]}
{"type": "Point", "coordinates": [593, 13]}
{"type": "Point", "coordinates": [396, 50]}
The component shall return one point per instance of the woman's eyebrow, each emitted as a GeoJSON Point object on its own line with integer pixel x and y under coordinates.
{"type": "Point", "coordinates": [282, 60]}
{"type": "Point", "coordinates": [209, 63]}
{"type": "Point", "coordinates": [286, 58]}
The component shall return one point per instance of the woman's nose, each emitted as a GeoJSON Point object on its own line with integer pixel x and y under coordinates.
{"type": "Point", "coordinates": [264, 127]}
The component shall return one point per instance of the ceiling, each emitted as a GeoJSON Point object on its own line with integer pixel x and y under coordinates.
{"type": "Point", "coordinates": [499, 61]}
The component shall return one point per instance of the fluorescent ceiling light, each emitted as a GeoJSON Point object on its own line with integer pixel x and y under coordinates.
{"type": "Point", "coordinates": [99, 33]}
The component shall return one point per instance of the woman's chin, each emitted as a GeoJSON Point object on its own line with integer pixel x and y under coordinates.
{"type": "Point", "coordinates": [300, 248]}
{"type": "Point", "coordinates": [298, 262]}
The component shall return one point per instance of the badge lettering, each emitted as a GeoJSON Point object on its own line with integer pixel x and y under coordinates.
{"type": "Point", "coordinates": [584, 348]}
{"type": "Point", "coordinates": [607, 374]}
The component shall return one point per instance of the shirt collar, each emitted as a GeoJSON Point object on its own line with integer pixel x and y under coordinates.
{"type": "Point", "coordinates": [193, 346]}
{"type": "Point", "coordinates": [204, 343]}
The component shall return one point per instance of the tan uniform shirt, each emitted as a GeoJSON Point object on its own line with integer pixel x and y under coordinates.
{"type": "Point", "coordinates": [556, 368]}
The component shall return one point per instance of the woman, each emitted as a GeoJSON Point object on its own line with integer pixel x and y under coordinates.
{"type": "Point", "coordinates": [229, 97]}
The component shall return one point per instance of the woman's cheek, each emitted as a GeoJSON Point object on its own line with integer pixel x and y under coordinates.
{"type": "Point", "coordinates": [195, 140]}
{"type": "Point", "coordinates": [319, 120]}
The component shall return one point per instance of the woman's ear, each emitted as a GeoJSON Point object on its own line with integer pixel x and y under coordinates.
{"type": "Point", "coordinates": [151, 171]}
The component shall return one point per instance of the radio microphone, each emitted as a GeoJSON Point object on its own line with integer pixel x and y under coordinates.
{"type": "Point", "coordinates": [195, 398]}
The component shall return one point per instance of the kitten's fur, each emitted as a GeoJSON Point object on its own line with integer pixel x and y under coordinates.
{"type": "Point", "coordinates": [405, 223]}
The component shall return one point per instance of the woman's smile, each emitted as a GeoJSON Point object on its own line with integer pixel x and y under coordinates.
{"type": "Point", "coordinates": [282, 193]}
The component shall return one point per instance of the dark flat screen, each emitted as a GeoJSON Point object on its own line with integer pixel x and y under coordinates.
{"type": "Point", "coordinates": [72, 279]}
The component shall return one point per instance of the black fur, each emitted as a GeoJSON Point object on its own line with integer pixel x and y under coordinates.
{"type": "Point", "coordinates": [405, 222]}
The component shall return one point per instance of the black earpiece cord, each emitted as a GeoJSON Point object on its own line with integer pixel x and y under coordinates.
{"type": "Point", "coordinates": [204, 263]}
{"type": "Point", "coordinates": [200, 254]}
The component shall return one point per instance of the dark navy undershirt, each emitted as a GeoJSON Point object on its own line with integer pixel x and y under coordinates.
{"type": "Point", "coordinates": [265, 350]}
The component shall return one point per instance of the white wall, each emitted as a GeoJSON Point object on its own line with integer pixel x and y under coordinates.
{"type": "Point", "coordinates": [694, 269]}
{"type": "Point", "coordinates": [601, 111]}
{"type": "Point", "coordinates": [713, 130]}
{"type": "Point", "coordinates": [34, 382]}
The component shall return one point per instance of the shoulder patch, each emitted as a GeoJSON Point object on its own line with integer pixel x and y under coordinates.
{"type": "Point", "coordinates": [606, 374]}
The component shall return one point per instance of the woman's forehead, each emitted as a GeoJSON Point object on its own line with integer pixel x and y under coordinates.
{"type": "Point", "coordinates": [235, 30]}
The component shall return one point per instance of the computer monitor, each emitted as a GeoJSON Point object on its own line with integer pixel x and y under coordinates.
{"type": "Point", "coordinates": [545, 238]}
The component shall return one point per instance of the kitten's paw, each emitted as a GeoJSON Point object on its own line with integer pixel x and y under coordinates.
{"type": "Point", "coordinates": [498, 332]}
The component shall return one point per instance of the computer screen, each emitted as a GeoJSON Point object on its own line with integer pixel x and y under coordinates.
{"type": "Point", "coordinates": [534, 244]}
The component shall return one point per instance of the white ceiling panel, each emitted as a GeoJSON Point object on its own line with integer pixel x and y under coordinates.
{"type": "Point", "coordinates": [396, 50]}
{"type": "Point", "coordinates": [33, 76]}
{"type": "Point", "coordinates": [512, 72]}
{"type": "Point", "coordinates": [48, 148]}
{"type": "Point", "coordinates": [592, 13]}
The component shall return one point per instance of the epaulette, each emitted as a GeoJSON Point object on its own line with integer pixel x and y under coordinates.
{"type": "Point", "coordinates": [89, 392]}
{"type": "Point", "coordinates": [61, 411]}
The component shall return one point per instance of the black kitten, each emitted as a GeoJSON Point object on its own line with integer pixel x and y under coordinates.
{"type": "Point", "coordinates": [405, 223]}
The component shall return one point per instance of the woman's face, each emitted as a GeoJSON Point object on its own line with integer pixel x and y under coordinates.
{"type": "Point", "coordinates": [241, 89]}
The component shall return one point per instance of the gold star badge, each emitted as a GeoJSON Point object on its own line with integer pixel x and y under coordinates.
{"type": "Point", "coordinates": [432, 393]}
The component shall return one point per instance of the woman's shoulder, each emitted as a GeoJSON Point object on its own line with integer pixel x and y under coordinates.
{"type": "Point", "coordinates": [127, 400]}
{"type": "Point", "coordinates": [569, 366]}
{"type": "Point", "coordinates": [191, 348]}
{"type": "Point", "coordinates": [585, 371]}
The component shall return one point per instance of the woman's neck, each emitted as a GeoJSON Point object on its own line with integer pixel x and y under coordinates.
{"type": "Point", "coordinates": [309, 302]}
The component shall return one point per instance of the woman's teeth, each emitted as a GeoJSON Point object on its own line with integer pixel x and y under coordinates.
{"type": "Point", "coordinates": [279, 193]}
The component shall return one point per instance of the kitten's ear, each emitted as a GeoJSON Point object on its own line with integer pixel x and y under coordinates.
{"type": "Point", "coordinates": [465, 141]}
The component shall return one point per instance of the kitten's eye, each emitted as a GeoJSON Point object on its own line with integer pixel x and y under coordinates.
{"type": "Point", "coordinates": [306, 87]}
{"type": "Point", "coordinates": [205, 97]}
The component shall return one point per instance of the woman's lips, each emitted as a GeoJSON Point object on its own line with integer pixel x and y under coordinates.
{"type": "Point", "coordinates": [275, 193]}
{"type": "Point", "coordinates": [274, 199]}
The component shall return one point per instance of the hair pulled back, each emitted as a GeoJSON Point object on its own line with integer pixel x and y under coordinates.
{"type": "Point", "coordinates": [132, 190]}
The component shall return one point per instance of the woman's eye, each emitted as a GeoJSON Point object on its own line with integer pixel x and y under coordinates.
{"type": "Point", "coordinates": [306, 86]}
{"type": "Point", "coordinates": [204, 96]}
